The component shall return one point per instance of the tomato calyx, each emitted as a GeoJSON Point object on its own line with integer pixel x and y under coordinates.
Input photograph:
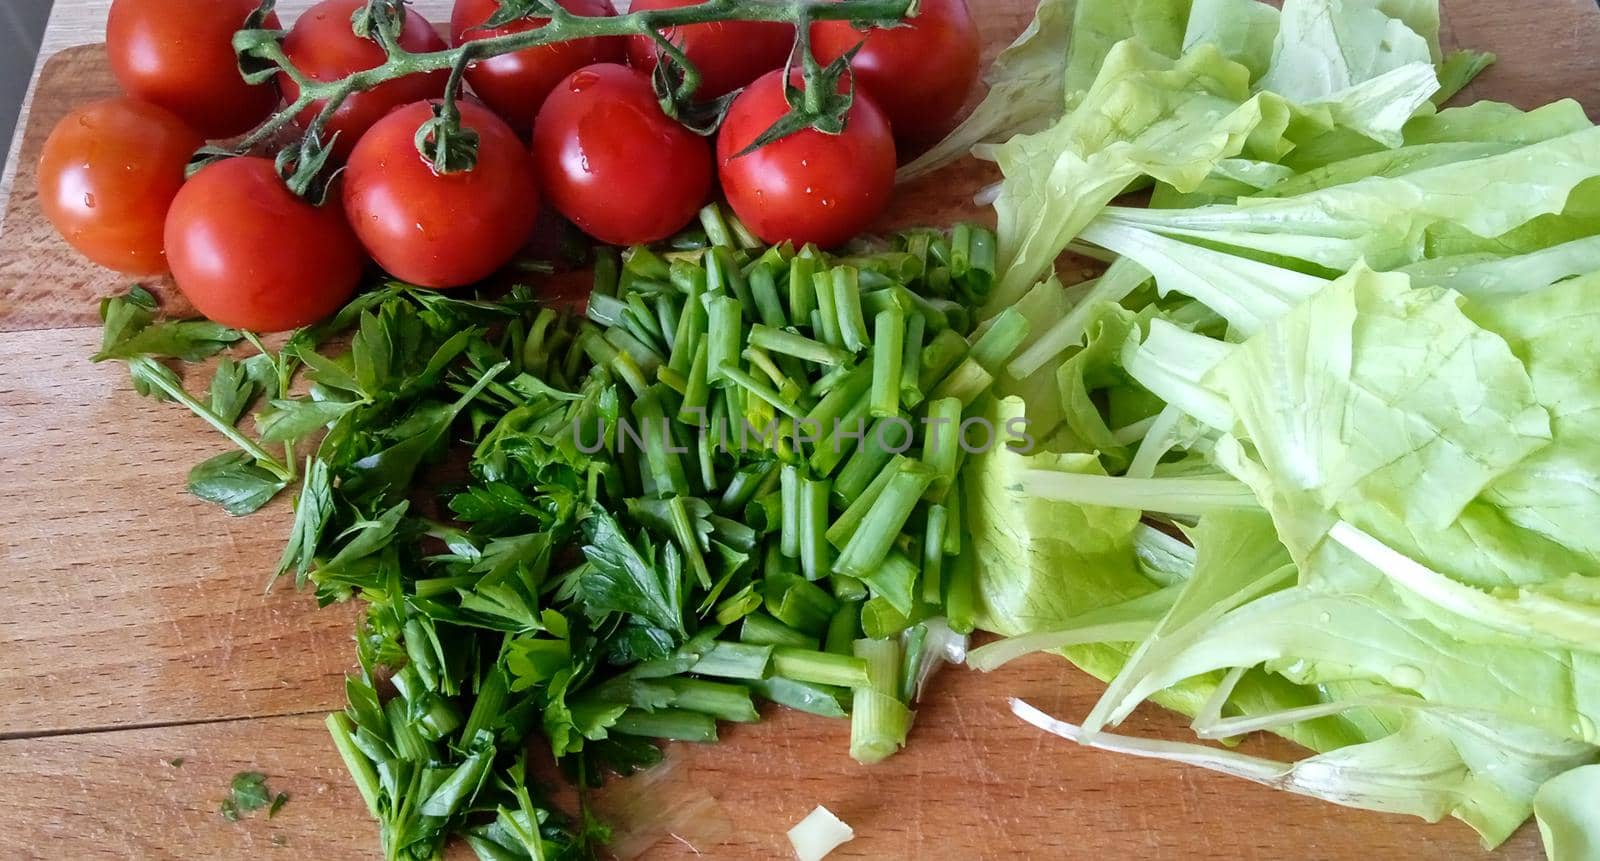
{"type": "Point", "coordinates": [381, 21]}
{"type": "Point", "coordinates": [676, 80]}
{"type": "Point", "coordinates": [818, 102]}
{"type": "Point", "coordinates": [516, 10]}
{"type": "Point", "coordinates": [444, 142]}
{"type": "Point", "coordinates": [301, 168]}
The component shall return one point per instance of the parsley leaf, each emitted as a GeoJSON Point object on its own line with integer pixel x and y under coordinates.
{"type": "Point", "coordinates": [236, 482]}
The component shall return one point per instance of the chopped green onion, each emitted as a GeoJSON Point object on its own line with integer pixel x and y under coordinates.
{"type": "Point", "coordinates": [911, 393]}
{"type": "Point", "coordinates": [942, 354]}
{"type": "Point", "coordinates": [845, 526]}
{"type": "Point", "coordinates": [820, 668]}
{"type": "Point", "coordinates": [821, 700]}
{"type": "Point", "coordinates": [735, 660]}
{"type": "Point", "coordinates": [717, 699]}
{"type": "Point", "coordinates": [789, 534]}
{"type": "Point", "coordinates": [966, 383]}
{"type": "Point", "coordinates": [843, 629]}
{"type": "Point", "coordinates": [762, 630]}
{"type": "Point", "coordinates": [607, 270]}
{"type": "Point", "coordinates": [879, 721]}
{"type": "Point", "coordinates": [716, 226]}
{"type": "Point", "coordinates": [960, 603]}
{"type": "Point", "coordinates": [799, 346]}
{"type": "Point", "coordinates": [847, 304]}
{"type": "Point", "coordinates": [672, 724]}
{"type": "Point", "coordinates": [724, 327]}
{"type": "Point", "coordinates": [827, 319]}
{"type": "Point", "coordinates": [847, 589]}
{"type": "Point", "coordinates": [761, 390]}
{"type": "Point", "coordinates": [894, 580]}
{"type": "Point", "coordinates": [764, 289]}
{"type": "Point", "coordinates": [799, 603]}
{"type": "Point", "coordinates": [816, 555]}
{"type": "Point", "coordinates": [883, 523]}
{"type": "Point", "coordinates": [933, 555]}
{"type": "Point", "coordinates": [802, 288]}
{"type": "Point", "coordinates": [915, 638]}
{"type": "Point", "coordinates": [869, 459]}
{"type": "Point", "coordinates": [722, 270]}
{"type": "Point", "coordinates": [941, 444]}
{"type": "Point", "coordinates": [1003, 337]}
{"type": "Point", "coordinates": [888, 346]}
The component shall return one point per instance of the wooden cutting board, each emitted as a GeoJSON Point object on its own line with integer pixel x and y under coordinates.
{"type": "Point", "coordinates": [134, 630]}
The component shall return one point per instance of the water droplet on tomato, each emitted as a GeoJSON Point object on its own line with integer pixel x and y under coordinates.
{"type": "Point", "coordinates": [583, 80]}
{"type": "Point", "coordinates": [826, 203]}
{"type": "Point", "coordinates": [88, 200]}
{"type": "Point", "coordinates": [809, 190]}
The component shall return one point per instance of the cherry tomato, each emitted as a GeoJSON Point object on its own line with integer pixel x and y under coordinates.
{"type": "Point", "coordinates": [250, 254]}
{"type": "Point", "coordinates": [613, 163]}
{"type": "Point", "coordinates": [323, 46]}
{"type": "Point", "coordinates": [179, 54]}
{"type": "Point", "coordinates": [440, 230]}
{"type": "Point", "coordinates": [728, 54]}
{"type": "Point", "coordinates": [107, 176]}
{"type": "Point", "coordinates": [516, 84]}
{"type": "Point", "coordinates": [809, 186]}
{"type": "Point", "coordinates": [920, 73]}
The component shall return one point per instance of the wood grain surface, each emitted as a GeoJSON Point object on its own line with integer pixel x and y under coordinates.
{"type": "Point", "coordinates": [134, 626]}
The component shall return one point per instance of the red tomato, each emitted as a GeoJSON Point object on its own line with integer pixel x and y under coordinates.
{"type": "Point", "coordinates": [516, 84]}
{"type": "Point", "coordinates": [920, 73]}
{"type": "Point", "coordinates": [250, 254]}
{"type": "Point", "coordinates": [728, 54]}
{"type": "Point", "coordinates": [179, 54]}
{"type": "Point", "coordinates": [809, 186]}
{"type": "Point", "coordinates": [440, 230]}
{"type": "Point", "coordinates": [323, 46]}
{"type": "Point", "coordinates": [613, 163]}
{"type": "Point", "coordinates": [107, 176]}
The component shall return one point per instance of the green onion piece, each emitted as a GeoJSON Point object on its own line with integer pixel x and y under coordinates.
{"type": "Point", "coordinates": [827, 309]}
{"type": "Point", "coordinates": [816, 555]}
{"type": "Point", "coordinates": [716, 226]}
{"type": "Point", "coordinates": [821, 700]}
{"type": "Point", "coordinates": [843, 629]}
{"type": "Point", "coordinates": [845, 526]}
{"type": "Point", "coordinates": [966, 383]}
{"type": "Point", "coordinates": [356, 762]}
{"type": "Point", "coordinates": [847, 304]}
{"type": "Point", "coordinates": [667, 317]}
{"type": "Point", "coordinates": [952, 532]}
{"type": "Point", "coordinates": [942, 354]}
{"type": "Point", "coordinates": [697, 390]}
{"type": "Point", "coordinates": [847, 589]}
{"type": "Point", "coordinates": [915, 638]}
{"type": "Point", "coordinates": [875, 537]}
{"type": "Point", "coordinates": [833, 406]}
{"type": "Point", "coordinates": [941, 444]}
{"type": "Point", "coordinates": [982, 263]}
{"type": "Point", "coordinates": [607, 270]}
{"type": "Point", "coordinates": [762, 361]}
{"type": "Point", "coordinates": [879, 721]}
{"type": "Point", "coordinates": [645, 265]}
{"type": "Point", "coordinates": [691, 330]}
{"type": "Point", "coordinates": [762, 630]}
{"type": "Point", "coordinates": [885, 439]}
{"type": "Point", "coordinates": [763, 391]}
{"type": "Point", "coordinates": [672, 724]}
{"type": "Point", "coordinates": [799, 346]}
{"type": "Point", "coordinates": [764, 289]}
{"type": "Point", "coordinates": [960, 250]}
{"type": "Point", "coordinates": [1004, 335]}
{"type": "Point", "coordinates": [802, 288]}
{"type": "Point", "coordinates": [820, 668]}
{"type": "Point", "coordinates": [606, 310]}
{"type": "Point", "coordinates": [799, 603]}
{"type": "Point", "coordinates": [789, 534]}
{"type": "Point", "coordinates": [717, 699]}
{"type": "Point", "coordinates": [911, 361]}
{"type": "Point", "coordinates": [737, 606]}
{"type": "Point", "coordinates": [735, 661]}
{"type": "Point", "coordinates": [660, 452]}
{"type": "Point", "coordinates": [933, 555]}
{"type": "Point", "coordinates": [916, 244]}
{"type": "Point", "coordinates": [888, 351]}
{"type": "Point", "coordinates": [642, 354]}
{"type": "Point", "coordinates": [880, 619]}
{"type": "Point", "coordinates": [894, 296]}
{"type": "Point", "coordinates": [895, 580]}
{"type": "Point", "coordinates": [742, 234]}
{"type": "Point", "coordinates": [705, 453]}
{"type": "Point", "coordinates": [722, 270]}
{"type": "Point", "coordinates": [960, 603]}
{"type": "Point", "coordinates": [749, 482]}
{"type": "Point", "coordinates": [831, 450]}
{"type": "Point", "coordinates": [641, 320]}
{"type": "Point", "coordinates": [672, 380]}
{"type": "Point", "coordinates": [724, 327]}
{"type": "Point", "coordinates": [683, 530]}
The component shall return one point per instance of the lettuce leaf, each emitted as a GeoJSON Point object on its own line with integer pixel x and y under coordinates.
{"type": "Point", "coordinates": [1146, 115]}
{"type": "Point", "coordinates": [1566, 807]}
